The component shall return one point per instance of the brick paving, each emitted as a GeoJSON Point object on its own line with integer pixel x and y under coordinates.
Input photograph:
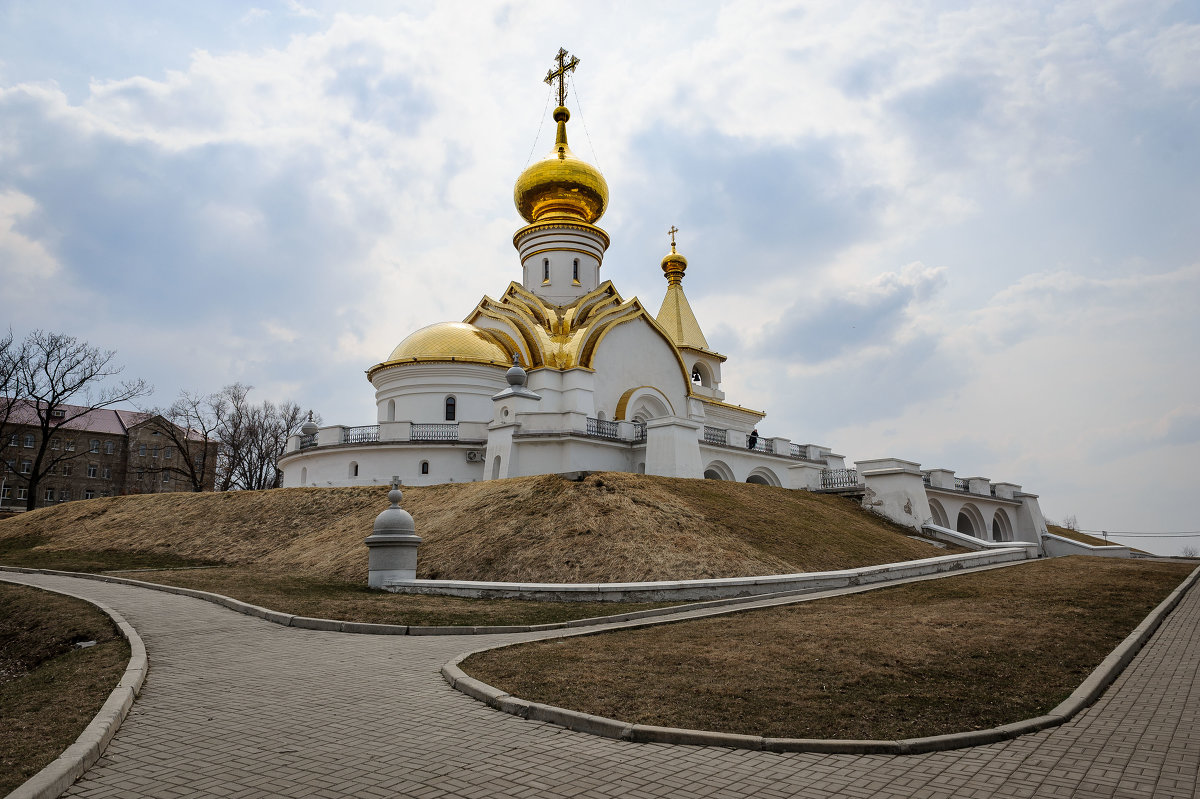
{"type": "Point", "coordinates": [237, 707]}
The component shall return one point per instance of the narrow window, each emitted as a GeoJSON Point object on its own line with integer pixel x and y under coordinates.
{"type": "Point", "coordinates": [70, 445]}
{"type": "Point", "coordinates": [450, 409]}
{"type": "Point", "coordinates": [64, 495]}
{"type": "Point", "coordinates": [166, 477]}
{"type": "Point", "coordinates": [107, 473]}
{"type": "Point", "coordinates": [54, 443]}
{"type": "Point", "coordinates": [304, 476]}
{"type": "Point", "coordinates": [91, 470]}
{"type": "Point", "coordinates": [424, 467]}
{"type": "Point", "coordinates": [26, 467]}
{"type": "Point", "coordinates": [142, 450]}
{"type": "Point", "coordinates": [67, 469]}
{"type": "Point", "coordinates": [49, 494]}
{"type": "Point", "coordinates": [545, 270]}
{"type": "Point", "coordinates": [108, 448]}
{"type": "Point", "coordinates": [94, 446]}
{"type": "Point", "coordinates": [154, 452]}
{"type": "Point", "coordinates": [168, 453]}
{"type": "Point", "coordinates": [575, 271]}
{"type": "Point", "coordinates": [28, 441]}
{"type": "Point", "coordinates": [391, 410]}
{"type": "Point", "coordinates": [353, 469]}
{"type": "Point", "coordinates": [22, 493]}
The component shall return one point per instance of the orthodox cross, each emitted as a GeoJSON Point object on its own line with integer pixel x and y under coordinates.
{"type": "Point", "coordinates": [565, 65]}
{"type": "Point", "coordinates": [673, 231]}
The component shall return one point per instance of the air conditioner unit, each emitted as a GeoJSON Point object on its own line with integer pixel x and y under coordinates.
{"type": "Point", "coordinates": [474, 456]}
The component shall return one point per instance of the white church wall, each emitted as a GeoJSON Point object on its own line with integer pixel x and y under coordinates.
{"type": "Point", "coordinates": [633, 354]}
{"type": "Point", "coordinates": [420, 390]}
{"type": "Point", "coordinates": [378, 462]}
{"type": "Point", "coordinates": [895, 489]}
{"type": "Point", "coordinates": [739, 464]}
{"type": "Point", "coordinates": [548, 256]}
{"type": "Point", "coordinates": [552, 455]}
{"type": "Point", "coordinates": [672, 448]}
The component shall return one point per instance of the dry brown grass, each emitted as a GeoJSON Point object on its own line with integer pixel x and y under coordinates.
{"type": "Point", "coordinates": [928, 658]}
{"type": "Point", "coordinates": [609, 527]}
{"type": "Point", "coordinates": [50, 690]}
{"type": "Point", "coordinates": [1083, 538]}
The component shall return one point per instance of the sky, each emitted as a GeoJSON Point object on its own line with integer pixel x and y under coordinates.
{"type": "Point", "coordinates": [962, 234]}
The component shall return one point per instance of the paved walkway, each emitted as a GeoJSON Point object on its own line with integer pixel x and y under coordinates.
{"type": "Point", "coordinates": [238, 707]}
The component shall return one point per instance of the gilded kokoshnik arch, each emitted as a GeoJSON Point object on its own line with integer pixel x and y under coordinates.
{"type": "Point", "coordinates": [560, 373]}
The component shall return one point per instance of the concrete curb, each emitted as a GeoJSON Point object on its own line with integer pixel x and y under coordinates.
{"type": "Point", "coordinates": [1083, 696]}
{"type": "Point", "coordinates": [62, 772]}
{"type": "Point", "coordinates": [369, 628]}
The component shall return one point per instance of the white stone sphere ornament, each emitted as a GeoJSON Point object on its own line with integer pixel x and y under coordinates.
{"type": "Point", "coordinates": [392, 545]}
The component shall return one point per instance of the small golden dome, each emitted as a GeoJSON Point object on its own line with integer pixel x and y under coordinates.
{"type": "Point", "coordinates": [561, 186]}
{"type": "Point", "coordinates": [456, 341]}
{"type": "Point", "coordinates": [673, 266]}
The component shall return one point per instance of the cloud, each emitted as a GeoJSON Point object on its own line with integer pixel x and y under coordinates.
{"type": "Point", "coordinates": [850, 318]}
{"type": "Point", "coordinates": [26, 264]}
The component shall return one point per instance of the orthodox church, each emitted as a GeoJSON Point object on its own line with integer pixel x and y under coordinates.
{"type": "Point", "coordinates": [562, 374]}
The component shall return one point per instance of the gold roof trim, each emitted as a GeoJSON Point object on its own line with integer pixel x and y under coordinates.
{"type": "Point", "coordinates": [566, 336]}
{"type": "Point", "coordinates": [559, 225]}
{"type": "Point", "coordinates": [711, 401]}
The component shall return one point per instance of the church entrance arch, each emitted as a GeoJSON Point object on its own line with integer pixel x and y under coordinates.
{"type": "Point", "coordinates": [718, 470]}
{"type": "Point", "coordinates": [642, 404]}
{"type": "Point", "coordinates": [1001, 527]}
{"type": "Point", "coordinates": [970, 522]}
{"type": "Point", "coordinates": [939, 513]}
{"type": "Point", "coordinates": [764, 476]}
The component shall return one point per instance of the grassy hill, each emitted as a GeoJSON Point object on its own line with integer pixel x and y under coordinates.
{"type": "Point", "coordinates": [607, 527]}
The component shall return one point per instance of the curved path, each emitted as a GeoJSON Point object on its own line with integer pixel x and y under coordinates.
{"type": "Point", "coordinates": [238, 707]}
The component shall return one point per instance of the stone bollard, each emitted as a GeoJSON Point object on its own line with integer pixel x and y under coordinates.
{"type": "Point", "coordinates": [392, 546]}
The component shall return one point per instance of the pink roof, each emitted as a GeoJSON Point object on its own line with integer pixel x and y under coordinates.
{"type": "Point", "coordinates": [78, 418]}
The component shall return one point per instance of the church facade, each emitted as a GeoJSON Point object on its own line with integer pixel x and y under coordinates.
{"type": "Point", "coordinates": [562, 374]}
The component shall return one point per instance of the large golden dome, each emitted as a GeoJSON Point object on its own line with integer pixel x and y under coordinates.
{"type": "Point", "coordinates": [452, 341]}
{"type": "Point", "coordinates": [561, 186]}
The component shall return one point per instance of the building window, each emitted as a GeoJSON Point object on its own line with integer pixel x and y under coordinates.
{"type": "Point", "coordinates": [168, 453]}
{"type": "Point", "coordinates": [57, 413]}
{"type": "Point", "coordinates": [64, 495]}
{"type": "Point", "coordinates": [353, 469]}
{"type": "Point", "coordinates": [66, 469]}
{"type": "Point", "coordinates": [545, 270]}
{"type": "Point", "coordinates": [94, 446]}
{"type": "Point", "coordinates": [91, 470]}
{"type": "Point", "coordinates": [54, 443]}
{"type": "Point", "coordinates": [5, 493]}
{"type": "Point", "coordinates": [424, 467]}
{"type": "Point", "coordinates": [142, 450]}
{"type": "Point", "coordinates": [166, 477]}
{"type": "Point", "coordinates": [13, 442]}
{"type": "Point", "coordinates": [70, 445]}
{"type": "Point", "coordinates": [49, 494]}
{"type": "Point", "coordinates": [108, 448]}
{"type": "Point", "coordinates": [575, 271]}
{"type": "Point", "coordinates": [154, 452]}
{"type": "Point", "coordinates": [106, 473]}
{"type": "Point", "coordinates": [26, 467]}
{"type": "Point", "coordinates": [22, 493]}
{"type": "Point", "coordinates": [141, 475]}
{"type": "Point", "coordinates": [450, 408]}
{"type": "Point", "coordinates": [28, 441]}
{"type": "Point", "coordinates": [89, 494]}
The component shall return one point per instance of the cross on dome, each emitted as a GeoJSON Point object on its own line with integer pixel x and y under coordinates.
{"type": "Point", "coordinates": [672, 233]}
{"type": "Point", "coordinates": [560, 74]}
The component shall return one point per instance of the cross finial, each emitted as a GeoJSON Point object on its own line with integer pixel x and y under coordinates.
{"type": "Point", "coordinates": [673, 231]}
{"type": "Point", "coordinates": [566, 63]}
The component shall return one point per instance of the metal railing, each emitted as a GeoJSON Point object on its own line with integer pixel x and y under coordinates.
{"type": "Point", "coordinates": [839, 478]}
{"type": "Point", "coordinates": [602, 428]}
{"type": "Point", "coordinates": [434, 432]}
{"type": "Point", "coordinates": [715, 435]}
{"type": "Point", "coordinates": [639, 431]}
{"type": "Point", "coordinates": [308, 441]}
{"type": "Point", "coordinates": [797, 451]}
{"type": "Point", "coordinates": [961, 484]}
{"type": "Point", "coordinates": [927, 480]}
{"type": "Point", "coordinates": [762, 445]}
{"type": "Point", "coordinates": [358, 435]}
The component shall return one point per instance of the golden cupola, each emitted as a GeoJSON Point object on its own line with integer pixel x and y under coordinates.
{"type": "Point", "coordinates": [561, 186]}
{"type": "Point", "coordinates": [676, 315]}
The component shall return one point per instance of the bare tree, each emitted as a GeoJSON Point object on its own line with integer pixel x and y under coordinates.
{"type": "Point", "coordinates": [55, 380]}
{"type": "Point", "coordinates": [190, 424]}
{"type": "Point", "coordinates": [253, 438]}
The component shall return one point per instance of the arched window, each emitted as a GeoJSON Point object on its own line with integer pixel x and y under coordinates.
{"type": "Point", "coordinates": [450, 409]}
{"type": "Point", "coordinates": [696, 376]}
{"type": "Point", "coordinates": [575, 271]}
{"type": "Point", "coordinates": [353, 468]}
{"type": "Point", "coordinates": [94, 445]}
{"type": "Point", "coordinates": [391, 410]}
{"type": "Point", "coordinates": [303, 475]}
{"type": "Point", "coordinates": [424, 467]}
{"type": "Point", "coordinates": [545, 270]}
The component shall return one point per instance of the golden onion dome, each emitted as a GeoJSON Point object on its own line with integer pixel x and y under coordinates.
{"type": "Point", "coordinates": [673, 266]}
{"type": "Point", "coordinates": [561, 186]}
{"type": "Point", "coordinates": [452, 341]}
